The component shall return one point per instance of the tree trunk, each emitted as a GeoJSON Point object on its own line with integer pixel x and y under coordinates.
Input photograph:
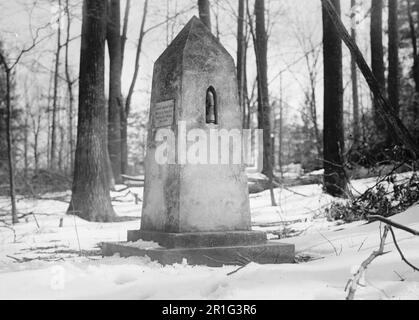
{"type": "Point", "coordinates": [61, 149]}
{"type": "Point", "coordinates": [90, 192]}
{"type": "Point", "coordinates": [413, 37]}
{"type": "Point", "coordinates": [333, 139]}
{"type": "Point", "coordinates": [10, 150]}
{"type": "Point", "coordinates": [354, 78]}
{"type": "Point", "coordinates": [241, 62]}
{"type": "Point", "coordinates": [264, 108]}
{"type": "Point", "coordinates": [377, 61]}
{"type": "Point", "coordinates": [393, 60]}
{"type": "Point", "coordinates": [70, 89]}
{"type": "Point", "coordinates": [51, 79]}
{"type": "Point", "coordinates": [127, 109]}
{"type": "Point", "coordinates": [26, 141]}
{"type": "Point", "coordinates": [124, 32]}
{"type": "Point", "coordinates": [281, 124]}
{"type": "Point", "coordinates": [204, 12]}
{"type": "Point", "coordinates": [9, 138]}
{"type": "Point", "coordinates": [55, 94]}
{"type": "Point", "coordinates": [123, 117]}
{"type": "Point", "coordinates": [115, 96]}
{"type": "Point", "coordinates": [36, 127]}
{"type": "Point", "coordinates": [392, 120]}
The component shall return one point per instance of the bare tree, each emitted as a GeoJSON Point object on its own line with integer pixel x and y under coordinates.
{"type": "Point", "coordinates": [333, 139]}
{"type": "Point", "coordinates": [354, 78]}
{"type": "Point", "coordinates": [126, 111]}
{"type": "Point", "coordinates": [9, 66]}
{"type": "Point", "coordinates": [264, 109]}
{"type": "Point", "coordinates": [312, 53]}
{"type": "Point", "coordinates": [70, 84]}
{"type": "Point", "coordinates": [204, 12]}
{"type": "Point", "coordinates": [36, 129]}
{"type": "Point", "coordinates": [393, 59]}
{"type": "Point", "coordinates": [377, 60]}
{"type": "Point", "coordinates": [8, 70]}
{"type": "Point", "coordinates": [90, 191]}
{"type": "Point", "coordinates": [115, 95]}
{"type": "Point", "coordinates": [55, 93]}
{"type": "Point", "coordinates": [392, 120]}
{"type": "Point", "coordinates": [26, 134]}
{"type": "Point", "coordinates": [242, 61]}
{"type": "Point", "coordinates": [124, 32]}
{"type": "Point", "coordinates": [413, 37]}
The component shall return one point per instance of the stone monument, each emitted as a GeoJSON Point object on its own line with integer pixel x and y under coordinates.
{"type": "Point", "coordinates": [196, 211]}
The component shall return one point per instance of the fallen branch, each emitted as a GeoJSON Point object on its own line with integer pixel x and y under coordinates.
{"type": "Point", "coordinates": [353, 283]}
{"type": "Point", "coordinates": [391, 223]}
{"type": "Point", "coordinates": [238, 269]}
{"type": "Point", "coordinates": [400, 251]}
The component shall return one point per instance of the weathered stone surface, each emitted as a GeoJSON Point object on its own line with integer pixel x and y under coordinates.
{"type": "Point", "coordinates": [185, 198]}
{"type": "Point", "coordinates": [200, 239]}
{"type": "Point", "coordinates": [198, 212]}
{"type": "Point", "coordinates": [269, 253]}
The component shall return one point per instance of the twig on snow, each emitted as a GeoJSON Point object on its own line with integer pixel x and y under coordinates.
{"type": "Point", "coordinates": [353, 283]}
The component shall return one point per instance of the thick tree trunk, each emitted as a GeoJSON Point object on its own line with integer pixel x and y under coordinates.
{"type": "Point", "coordinates": [204, 12]}
{"type": "Point", "coordinates": [392, 120]}
{"type": "Point", "coordinates": [90, 192]}
{"type": "Point", "coordinates": [264, 108]}
{"type": "Point", "coordinates": [377, 61]}
{"type": "Point", "coordinates": [55, 96]}
{"type": "Point", "coordinates": [333, 139]}
{"type": "Point", "coordinates": [354, 78]}
{"type": "Point", "coordinates": [115, 96]}
{"type": "Point", "coordinates": [393, 60]}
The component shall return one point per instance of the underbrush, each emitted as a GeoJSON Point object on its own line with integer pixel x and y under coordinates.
{"type": "Point", "coordinates": [37, 183]}
{"type": "Point", "coordinates": [387, 198]}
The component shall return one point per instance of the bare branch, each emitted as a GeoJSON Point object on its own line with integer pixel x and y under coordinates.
{"type": "Point", "coordinates": [400, 251]}
{"type": "Point", "coordinates": [393, 224]}
{"type": "Point", "coordinates": [354, 282]}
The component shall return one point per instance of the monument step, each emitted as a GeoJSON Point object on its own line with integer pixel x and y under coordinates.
{"type": "Point", "coordinates": [268, 253]}
{"type": "Point", "coordinates": [200, 239]}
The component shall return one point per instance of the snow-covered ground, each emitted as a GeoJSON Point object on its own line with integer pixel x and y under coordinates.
{"type": "Point", "coordinates": [41, 260]}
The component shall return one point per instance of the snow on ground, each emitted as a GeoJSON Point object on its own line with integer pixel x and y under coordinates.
{"type": "Point", "coordinates": [45, 261]}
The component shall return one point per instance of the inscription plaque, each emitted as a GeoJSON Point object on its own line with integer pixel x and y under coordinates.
{"type": "Point", "coordinates": [163, 113]}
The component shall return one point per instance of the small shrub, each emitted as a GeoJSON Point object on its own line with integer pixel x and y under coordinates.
{"type": "Point", "coordinates": [385, 199]}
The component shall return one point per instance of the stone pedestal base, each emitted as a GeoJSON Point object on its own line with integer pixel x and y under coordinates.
{"type": "Point", "coordinates": [199, 239]}
{"type": "Point", "coordinates": [268, 253]}
{"type": "Point", "coordinates": [213, 249]}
